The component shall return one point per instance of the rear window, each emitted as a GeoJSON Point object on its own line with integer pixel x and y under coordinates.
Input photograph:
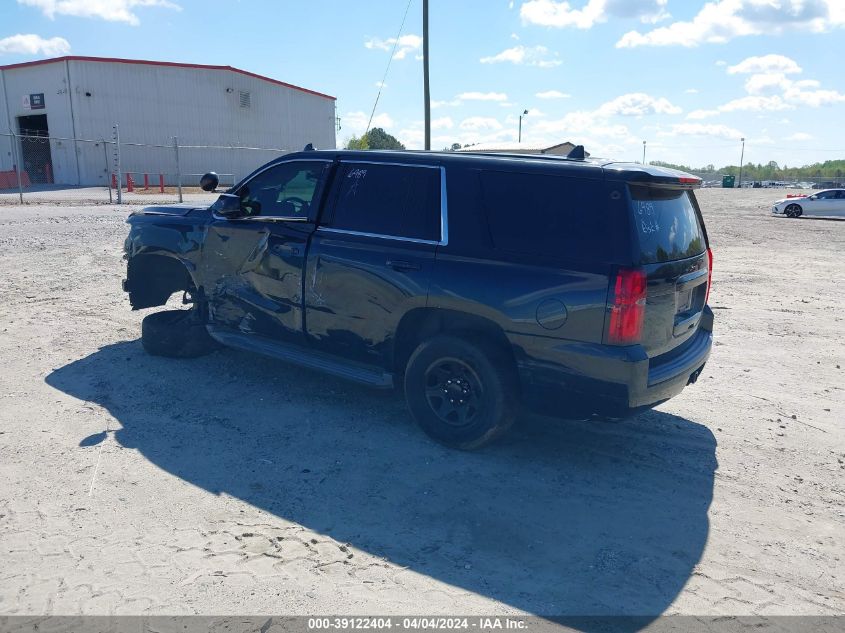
{"type": "Point", "coordinates": [551, 216]}
{"type": "Point", "coordinates": [666, 223]}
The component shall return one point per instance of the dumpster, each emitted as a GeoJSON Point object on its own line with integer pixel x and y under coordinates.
{"type": "Point", "coordinates": [728, 182]}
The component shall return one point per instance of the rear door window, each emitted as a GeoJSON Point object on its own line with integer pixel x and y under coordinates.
{"type": "Point", "coordinates": [666, 223]}
{"type": "Point", "coordinates": [389, 200]}
{"type": "Point", "coordinates": [551, 216]}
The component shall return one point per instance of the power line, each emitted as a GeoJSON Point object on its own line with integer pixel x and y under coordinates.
{"type": "Point", "coordinates": [386, 70]}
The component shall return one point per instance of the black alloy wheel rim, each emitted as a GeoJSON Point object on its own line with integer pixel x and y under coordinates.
{"type": "Point", "coordinates": [454, 391]}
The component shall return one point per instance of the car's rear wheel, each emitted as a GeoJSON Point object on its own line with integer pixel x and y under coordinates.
{"type": "Point", "coordinates": [793, 211]}
{"type": "Point", "coordinates": [461, 391]}
{"type": "Point", "coordinates": [176, 334]}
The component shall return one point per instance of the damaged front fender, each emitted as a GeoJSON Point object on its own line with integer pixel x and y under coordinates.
{"type": "Point", "coordinates": [162, 252]}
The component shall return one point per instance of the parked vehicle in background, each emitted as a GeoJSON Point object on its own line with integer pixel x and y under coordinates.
{"type": "Point", "coordinates": [830, 202]}
{"type": "Point", "coordinates": [476, 282]}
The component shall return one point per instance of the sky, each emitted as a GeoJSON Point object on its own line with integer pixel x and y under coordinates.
{"type": "Point", "coordinates": [690, 78]}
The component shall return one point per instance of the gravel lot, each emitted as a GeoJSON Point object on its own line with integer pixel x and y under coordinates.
{"type": "Point", "coordinates": [235, 484]}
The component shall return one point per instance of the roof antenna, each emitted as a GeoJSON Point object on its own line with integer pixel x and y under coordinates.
{"type": "Point", "coordinates": [310, 148]}
{"type": "Point", "coordinates": [577, 153]}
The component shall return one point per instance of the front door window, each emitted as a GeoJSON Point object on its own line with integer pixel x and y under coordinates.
{"type": "Point", "coordinates": [286, 190]}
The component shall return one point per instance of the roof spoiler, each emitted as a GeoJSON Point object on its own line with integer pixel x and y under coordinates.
{"type": "Point", "coordinates": [576, 153]}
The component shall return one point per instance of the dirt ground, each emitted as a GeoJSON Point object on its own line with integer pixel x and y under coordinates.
{"type": "Point", "coordinates": [236, 484]}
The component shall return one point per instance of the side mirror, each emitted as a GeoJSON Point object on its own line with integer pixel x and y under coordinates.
{"type": "Point", "coordinates": [228, 205]}
{"type": "Point", "coordinates": [209, 181]}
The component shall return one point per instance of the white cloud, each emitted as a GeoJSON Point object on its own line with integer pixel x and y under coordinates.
{"type": "Point", "coordinates": [442, 123]}
{"type": "Point", "coordinates": [109, 10]}
{"type": "Point", "coordinates": [756, 103]}
{"type": "Point", "coordinates": [799, 136]}
{"type": "Point", "coordinates": [703, 129]}
{"type": "Point", "coordinates": [476, 123]}
{"type": "Point", "coordinates": [404, 45]}
{"type": "Point", "coordinates": [482, 96]}
{"type": "Point", "coordinates": [766, 82]}
{"type": "Point", "coordinates": [812, 98]}
{"type": "Point", "coordinates": [702, 114]}
{"type": "Point", "coordinates": [539, 56]}
{"type": "Point", "coordinates": [766, 64]}
{"type": "Point", "coordinates": [691, 91]}
{"type": "Point", "coordinates": [412, 138]}
{"type": "Point", "coordinates": [560, 14]}
{"type": "Point", "coordinates": [356, 122]}
{"type": "Point", "coordinates": [638, 104]}
{"type": "Point", "coordinates": [552, 94]}
{"type": "Point", "coordinates": [770, 90]}
{"type": "Point", "coordinates": [29, 44]}
{"type": "Point", "coordinates": [443, 104]}
{"type": "Point", "coordinates": [720, 21]}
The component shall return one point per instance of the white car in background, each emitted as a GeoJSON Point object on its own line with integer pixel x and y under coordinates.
{"type": "Point", "coordinates": [829, 202]}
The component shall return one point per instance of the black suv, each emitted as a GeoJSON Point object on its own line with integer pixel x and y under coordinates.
{"type": "Point", "coordinates": [477, 282]}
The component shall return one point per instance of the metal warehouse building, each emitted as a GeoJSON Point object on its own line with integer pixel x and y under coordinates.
{"type": "Point", "coordinates": [58, 113]}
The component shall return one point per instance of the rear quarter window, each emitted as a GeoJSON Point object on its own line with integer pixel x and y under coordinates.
{"type": "Point", "coordinates": [666, 223]}
{"type": "Point", "coordinates": [551, 216]}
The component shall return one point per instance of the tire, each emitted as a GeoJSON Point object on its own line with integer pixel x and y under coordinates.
{"type": "Point", "coordinates": [462, 391]}
{"type": "Point", "coordinates": [793, 211]}
{"type": "Point", "coordinates": [176, 334]}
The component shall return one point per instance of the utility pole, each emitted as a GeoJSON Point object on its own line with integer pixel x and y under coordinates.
{"type": "Point", "coordinates": [425, 78]}
{"type": "Point", "coordinates": [520, 125]}
{"type": "Point", "coordinates": [643, 152]}
{"type": "Point", "coordinates": [741, 160]}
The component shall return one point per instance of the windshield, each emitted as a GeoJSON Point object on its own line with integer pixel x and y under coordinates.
{"type": "Point", "coordinates": [667, 224]}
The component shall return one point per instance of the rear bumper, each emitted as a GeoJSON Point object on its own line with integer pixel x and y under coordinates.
{"type": "Point", "coordinates": [567, 379]}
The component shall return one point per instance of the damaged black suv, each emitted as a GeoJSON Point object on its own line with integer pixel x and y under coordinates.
{"type": "Point", "coordinates": [478, 283]}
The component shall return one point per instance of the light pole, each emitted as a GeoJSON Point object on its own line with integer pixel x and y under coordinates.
{"type": "Point", "coordinates": [520, 124]}
{"type": "Point", "coordinates": [643, 152]}
{"type": "Point", "coordinates": [741, 160]}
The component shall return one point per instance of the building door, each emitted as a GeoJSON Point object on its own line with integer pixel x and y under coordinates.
{"type": "Point", "coordinates": [36, 159]}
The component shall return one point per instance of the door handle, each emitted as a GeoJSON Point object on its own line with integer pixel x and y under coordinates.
{"type": "Point", "coordinates": [402, 266]}
{"type": "Point", "coordinates": [285, 249]}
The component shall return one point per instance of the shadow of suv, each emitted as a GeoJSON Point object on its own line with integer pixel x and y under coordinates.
{"type": "Point", "coordinates": [479, 283]}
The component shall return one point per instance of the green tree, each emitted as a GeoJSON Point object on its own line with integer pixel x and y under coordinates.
{"type": "Point", "coordinates": [357, 143]}
{"type": "Point", "coordinates": [376, 138]}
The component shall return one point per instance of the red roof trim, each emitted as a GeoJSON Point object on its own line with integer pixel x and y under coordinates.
{"type": "Point", "coordinates": [115, 60]}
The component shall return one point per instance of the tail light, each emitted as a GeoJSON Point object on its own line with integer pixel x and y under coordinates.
{"type": "Point", "coordinates": [627, 307]}
{"type": "Point", "coordinates": [709, 274]}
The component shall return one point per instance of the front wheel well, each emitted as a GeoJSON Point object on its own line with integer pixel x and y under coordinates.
{"type": "Point", "coordinates": [152, 279]}
{"type": "Point", "coordinates": [423, 323]}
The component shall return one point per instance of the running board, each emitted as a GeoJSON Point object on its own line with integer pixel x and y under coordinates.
{"type": "Point", "coordinates": [312, 359]}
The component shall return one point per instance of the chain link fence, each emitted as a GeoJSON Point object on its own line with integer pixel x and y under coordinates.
{"type": "Point", "coordinates": [35, 167]}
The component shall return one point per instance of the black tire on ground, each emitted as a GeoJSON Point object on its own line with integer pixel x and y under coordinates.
{"type": "Point", "coordinates": [176, 334]}
{"type": "Point", "coordinates": [793, 211]}
{"type": "Point", "coordinates": [462, 391]}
